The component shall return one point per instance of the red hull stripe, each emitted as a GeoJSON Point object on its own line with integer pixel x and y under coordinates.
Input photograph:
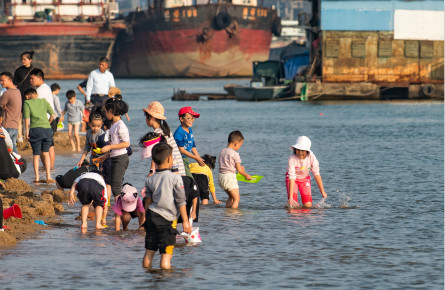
{"type": "Point", "coordinates": [183, 41]}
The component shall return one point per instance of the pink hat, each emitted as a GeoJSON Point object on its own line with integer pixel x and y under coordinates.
{"type": "Point", "coordinates": [148, 145]}
{"type": "Point", "coordinates": [129, 197]}
{"type": "Point", "coordinates": [185, 110]}
{"type": "Point", "coordinates": [156, 110]}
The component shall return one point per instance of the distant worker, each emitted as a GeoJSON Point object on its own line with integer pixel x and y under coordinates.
{"type": "Point", "coordinates": [99, 83]}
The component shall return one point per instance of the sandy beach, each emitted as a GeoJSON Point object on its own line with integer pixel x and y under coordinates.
{"type": "Point", "coordinates": [35, 204]}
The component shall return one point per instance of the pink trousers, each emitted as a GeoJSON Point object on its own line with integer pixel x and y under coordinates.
{"type": "Point", "coordinates": [303, 186]}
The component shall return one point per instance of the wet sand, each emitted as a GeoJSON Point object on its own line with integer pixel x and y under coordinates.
{"type": "Point", "coordinates": [36, 204]}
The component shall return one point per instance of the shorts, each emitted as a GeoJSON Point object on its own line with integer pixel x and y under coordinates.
{"type": "Point", "coordinates": [40, 139]}
{"type": "Point", "coordinates": [228, 181]}
{"type": "Point", "coordinates": [160, 233]}
{"type": "Point", "coordinates": [203, 184]}
{"type": "Point", "coordinates": [74, 123]}
{"type": "Point", "coordinates": [89, 190]}
{"type": "Point", "coordinates": [304, 186]}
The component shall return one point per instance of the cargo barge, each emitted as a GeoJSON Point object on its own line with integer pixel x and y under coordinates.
{"type": "Point", "coordinates": [68, 37]}
{"type": "Point", "coordinates": [202, 40]}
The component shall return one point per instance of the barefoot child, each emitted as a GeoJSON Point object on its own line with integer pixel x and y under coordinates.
{"type": "Point", "coordinates": [119, 141]}
{"type": "Point", "coordinates": [297, 175]}
{"type": "Point", "coordinates": [229, 164]}
{"type": "Point", "coordinates": [38, 131]}
{"type": "Point", "coordinates": [74, 109]}
{"type": "Point", "coordinates": [91, 190]}
{"type": "Point", "coordinates": [185, 140]}
{"type": "Point", "coordinates": [166, 200]}
{"type": "Point", "coordinates": [128, 206]}
{"type": "Point", "coordinates": [154, 117]}
{"type": "Point", "coordinates": [204, 178]}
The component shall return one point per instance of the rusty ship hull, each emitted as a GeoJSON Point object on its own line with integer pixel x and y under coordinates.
{"type": "Point", "coordinates": [62, 50]}
{"type": "Point", "coordinates": [195, 41]}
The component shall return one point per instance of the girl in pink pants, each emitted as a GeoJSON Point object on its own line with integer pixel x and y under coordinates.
{"type": "Point", "coordinates": [300, 163]}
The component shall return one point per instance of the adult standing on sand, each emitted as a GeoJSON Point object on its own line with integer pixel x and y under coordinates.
{"type": "Point", "coordinates": [22, 82]}
{"type": "Point", "coordinates": [99, 83]}
{"type": "Point", "coordinates": [11, 101]}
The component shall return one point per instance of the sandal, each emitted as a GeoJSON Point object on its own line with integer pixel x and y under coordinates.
{"type": "Point", "coordinates": [49, 181]}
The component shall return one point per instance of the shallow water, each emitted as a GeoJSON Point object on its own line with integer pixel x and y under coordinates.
{"type": "Point", "coordinates": [381, 226]}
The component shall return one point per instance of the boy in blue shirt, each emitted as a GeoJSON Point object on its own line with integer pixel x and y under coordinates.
{"type": "Point", "coordinates": [184, 138]}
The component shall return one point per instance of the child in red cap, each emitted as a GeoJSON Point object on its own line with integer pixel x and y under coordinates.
{"type": "Point", "coordinates": [185, 140]}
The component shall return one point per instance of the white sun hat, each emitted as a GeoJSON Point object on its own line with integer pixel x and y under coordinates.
{"type": "Point", "coordinates": [302, 143]}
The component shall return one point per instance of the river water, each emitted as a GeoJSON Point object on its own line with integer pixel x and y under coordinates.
{"type": "Point", "coordinates": [381, 226]}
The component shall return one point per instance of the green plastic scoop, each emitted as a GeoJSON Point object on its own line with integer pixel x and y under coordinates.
{"type": "Point", "coordinates": [255, 178]}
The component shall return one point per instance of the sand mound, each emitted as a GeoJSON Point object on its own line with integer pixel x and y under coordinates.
{"type": "Point", "coordinates": [14, 184]}
{"type": "Point", "coordinates": [33, 207]}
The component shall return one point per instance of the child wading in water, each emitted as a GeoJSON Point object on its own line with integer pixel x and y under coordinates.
{"type": "Point", "coordinates": [297, 175]}
{"type": "Point", "coordinates": [185, 140]}
{"type": "Point", "coordinates": [91, 189]}
{"type": "Point", "coordinates": [229, 164]}
{"type": "Point", "coordinates": [166, 200]}
{"type": "Point", "coordinates": [204, 178]}
{"type": "Point", "coordinates": [128, 206]}
{"type": "Point", "coordinates": [154, 117]}
{"type": "Point", "coordinates": [120, 140]}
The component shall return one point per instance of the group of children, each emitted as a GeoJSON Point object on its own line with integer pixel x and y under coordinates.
{"type": "Point", "coordinates": [165, 193]}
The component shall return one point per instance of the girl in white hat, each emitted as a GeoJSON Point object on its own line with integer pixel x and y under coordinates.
{"type": "Point", "coordinates": [300, 163]}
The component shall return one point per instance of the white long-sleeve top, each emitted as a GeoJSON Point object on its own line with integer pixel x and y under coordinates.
{"type": "Point", "coordinates": [99, 83]}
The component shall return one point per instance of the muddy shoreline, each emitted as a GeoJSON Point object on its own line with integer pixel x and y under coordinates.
{"type": "Point", "coordinates": [36, 204]}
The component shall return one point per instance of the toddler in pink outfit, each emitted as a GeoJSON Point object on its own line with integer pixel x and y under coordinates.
{"type": "Point", "coordinates": [300, 163]}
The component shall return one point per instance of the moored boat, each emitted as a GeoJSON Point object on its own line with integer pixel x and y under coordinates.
{"type": "Point", "coordinates": [268, 83]}
{"type": "Point", "coordinates": [257, 94]}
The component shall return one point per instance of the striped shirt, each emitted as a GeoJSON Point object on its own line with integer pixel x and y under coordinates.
{"type": "Point", "coordinates": [177, 158]}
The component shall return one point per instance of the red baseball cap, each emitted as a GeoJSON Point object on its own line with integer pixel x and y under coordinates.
{"type": "Point", "coordinates": [189, 110]}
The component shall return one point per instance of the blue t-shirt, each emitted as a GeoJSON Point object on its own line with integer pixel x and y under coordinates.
{"type": "Point", "coordinates": [184, 139]}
